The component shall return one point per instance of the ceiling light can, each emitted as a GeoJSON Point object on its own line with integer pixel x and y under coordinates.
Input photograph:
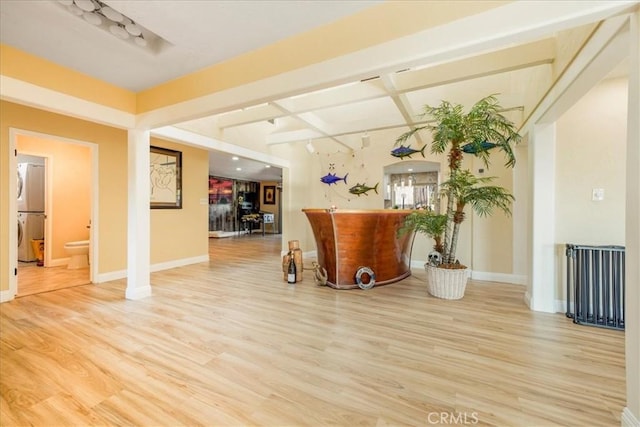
{"type": "Point", "coordinates": [119, 31]}
{"type": "Point", "coordinates": [75, 10]}
{"type": "Point", "coordinates": [140, 41]}
{"type": "Point", "coordinates": [133, 29]}
{"type": "Point", "coordinates": [86, 5]}
{"type": "Point", "coordinates": [92, 18]}
{"type": "Point", "coordinates": [113, 15]}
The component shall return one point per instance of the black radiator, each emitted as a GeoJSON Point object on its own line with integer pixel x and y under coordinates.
{"type": "Point", "coordinates": [595, 285]}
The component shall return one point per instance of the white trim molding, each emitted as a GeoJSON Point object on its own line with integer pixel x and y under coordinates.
{"type": "Point", "coordinates": [112, 275]}
{"type": "Point", "coordinates": [179, 263]}
{"type": "Point", "coordinates": [29, 94]}
{"type": "Point", "coordinates": [515, 279]}
{"type": "Point", "coordinates": [6, 295]}
{"type": "Point", "coordinates": [561, 306]}
{"type": "Point", "coordinates": [527, 299]}
{"type": "Point", "coordinates": [627, 419]}
{"type": "Point", "coordinates": [122, 274]}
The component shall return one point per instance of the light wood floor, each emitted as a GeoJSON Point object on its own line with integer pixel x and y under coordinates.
{"type": "Point", "coordinates": [33, 279]}
{"type": "Point", "coordinates": [229, 343]}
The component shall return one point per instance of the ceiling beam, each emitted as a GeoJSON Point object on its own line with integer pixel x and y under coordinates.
{"type": "Point", "coordinates": [600, 54]}
{"type": "Point", "coordinates": [305, 134]}
{"type": "Point", "coordinates": [312, 121]}
{"type": "Point", "coordinates": [402, 104]}
{"type": "Point", "coordinates": [397, 84]}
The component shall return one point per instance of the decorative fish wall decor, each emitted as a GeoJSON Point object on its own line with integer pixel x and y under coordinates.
{"type": "Point", "coordinates": [472, 149]}
{"type": "Point", "coordinates": [359, 189]}
{"type": "Point", "coordinates": [402, 151]}
{"type": "Point", "coordinates": [331, 178]}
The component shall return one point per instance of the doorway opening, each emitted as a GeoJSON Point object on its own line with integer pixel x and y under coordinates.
{"type": "Point", "coordinates": [53, 207]}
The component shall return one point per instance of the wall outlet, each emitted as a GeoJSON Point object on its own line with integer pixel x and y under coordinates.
{"type": "Point", "coordinates": [204, 201]}
{"type": "Point", "coordinates": [597, 195]}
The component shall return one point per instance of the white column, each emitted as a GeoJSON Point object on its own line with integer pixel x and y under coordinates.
{"type": "Point", "coordinates": [138, 228]}
{"type": "Point", "coordinates": [542, 154]}
{"type": "Point", "coordinates": [631, 414]}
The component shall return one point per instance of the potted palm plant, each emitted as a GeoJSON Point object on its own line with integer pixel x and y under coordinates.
{"type": "Point", "coordinates": [455, 132]}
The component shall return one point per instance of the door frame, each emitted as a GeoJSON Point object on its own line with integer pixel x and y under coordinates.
{"type": "Point", "coordinates": [13, 208]}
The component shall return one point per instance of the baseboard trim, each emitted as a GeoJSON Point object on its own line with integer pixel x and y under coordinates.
{"type": "Point", "coordinates": [58, 262]}
{"type": "Point", "coordinates": [138, 293]}
{"type": "Point", "coordinates": [112, 275]}
{"type": "Point", "coordinates": [561, 306]}
{"type": "Point", "coordinates": [627, 419]}
{"type": "Point", "coordinates": [498, 277]}
{"type": "Point", "coordinates": [527, 299]}
{"type": "Point", "coordinates": [514, 279]}
{"type": "Point", "coordinates": [6, 295]}
{"type": "Point", "coordinates": [122, 274]}
{"type": "Point", "coordinates": [178, 263]}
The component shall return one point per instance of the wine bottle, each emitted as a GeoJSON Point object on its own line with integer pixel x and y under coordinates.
{"type": "Point", "coordinates": [291, 270]}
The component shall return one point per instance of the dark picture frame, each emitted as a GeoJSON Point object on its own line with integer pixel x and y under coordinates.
{"type": "Point", "coordinates": [165, 173]}
{"type": "Point", "coordinates": [269, 195]}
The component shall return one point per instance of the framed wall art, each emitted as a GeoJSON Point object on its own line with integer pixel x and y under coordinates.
{"type": "Point", "coordinates": [269, 195]}
{"type": "Point", "coordinates": [165, 168]}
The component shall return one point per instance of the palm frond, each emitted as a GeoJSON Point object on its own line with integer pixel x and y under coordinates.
{"type": "Point", "coordinates": [483, 128]}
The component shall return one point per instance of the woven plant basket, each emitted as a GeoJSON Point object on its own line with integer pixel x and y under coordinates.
{"type": "Point", "coordinates": [446, 283]}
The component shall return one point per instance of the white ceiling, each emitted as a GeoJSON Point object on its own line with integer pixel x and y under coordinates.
{"type": "Point", "coordinates": [199, 33]}
{"type": "Point", "coordinates": [202, 33]}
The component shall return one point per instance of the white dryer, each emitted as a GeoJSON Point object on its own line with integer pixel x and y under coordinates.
{"type": "Point", "coordinates": [30, 187]}
{"type": "Point", "coordinates": [30, 226]}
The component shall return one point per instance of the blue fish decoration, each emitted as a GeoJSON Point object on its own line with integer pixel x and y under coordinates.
{"type": "Point", "coordinates": [402, 151]}
{"type": "Point", "coordinates": [359, 189]}
{"type": "Point", "coordinates": [471, 149]}
{"type": "Point", "coordinates": [331, 178]}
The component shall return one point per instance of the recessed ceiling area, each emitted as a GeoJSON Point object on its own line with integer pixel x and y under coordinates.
{"type": "Point", "coordinates": [226, 165]}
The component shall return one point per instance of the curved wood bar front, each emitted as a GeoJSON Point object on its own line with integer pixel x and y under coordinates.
{"type": "Point", "coordinates": [347, 240]}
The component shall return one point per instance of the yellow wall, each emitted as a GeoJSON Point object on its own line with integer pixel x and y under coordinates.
{"type": "Point", "coordinates": [183, 233]}
{"type": "Point", "coordinates": [23, 66]}
{"type": "Point", "coordinates": [112, 168]}
{"type": "Point", "coordinates": [591, 153]}
{"type": "Point", "coordinates": [69, 166]}
{"type": "Point", "coordinates": [176, 234]}
{"type": "Point", "coordinates": [492, 238]}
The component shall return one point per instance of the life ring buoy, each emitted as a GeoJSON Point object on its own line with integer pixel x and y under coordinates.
{"type": "Point", "coordinates": [372, 278]}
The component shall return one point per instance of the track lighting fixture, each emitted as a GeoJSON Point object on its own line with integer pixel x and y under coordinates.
{"type": "Point", "coordinates": [99, 14]}
{"type": "Point", "coordinates": [310, 147]}
{"type": "Point", "coordinates": [365, 140]}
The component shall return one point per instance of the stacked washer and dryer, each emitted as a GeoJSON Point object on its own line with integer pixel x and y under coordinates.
{"type": "Point", "coordinates": [30, 208]}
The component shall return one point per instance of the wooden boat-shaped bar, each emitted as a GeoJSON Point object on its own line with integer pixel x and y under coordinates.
{"type": "Point", "coordinates": [352, 243]}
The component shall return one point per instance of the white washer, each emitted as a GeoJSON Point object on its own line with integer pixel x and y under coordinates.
{"type": "Point", "coordinates": [30, 226]}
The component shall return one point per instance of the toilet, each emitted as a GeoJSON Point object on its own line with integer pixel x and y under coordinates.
{"type": "Point", "coordinates": [79, 254]}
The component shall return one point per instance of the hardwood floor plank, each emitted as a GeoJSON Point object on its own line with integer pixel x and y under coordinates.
{"type": "Point", "coordinates": [230, 343]}
{"type": "Point", "coordinates": [34, 280]}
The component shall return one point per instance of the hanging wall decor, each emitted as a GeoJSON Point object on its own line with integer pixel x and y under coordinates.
{"type": "Point", "coordinates": [359, 189]}
{"type": "Point", "coordinates": [332, 178]}
{"type": "Point", "coordinates": [166, 178]}
{"type": "Point", "coordinates": [269, 195]}
{"type": "Point", "coordinates": [405, 151]}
